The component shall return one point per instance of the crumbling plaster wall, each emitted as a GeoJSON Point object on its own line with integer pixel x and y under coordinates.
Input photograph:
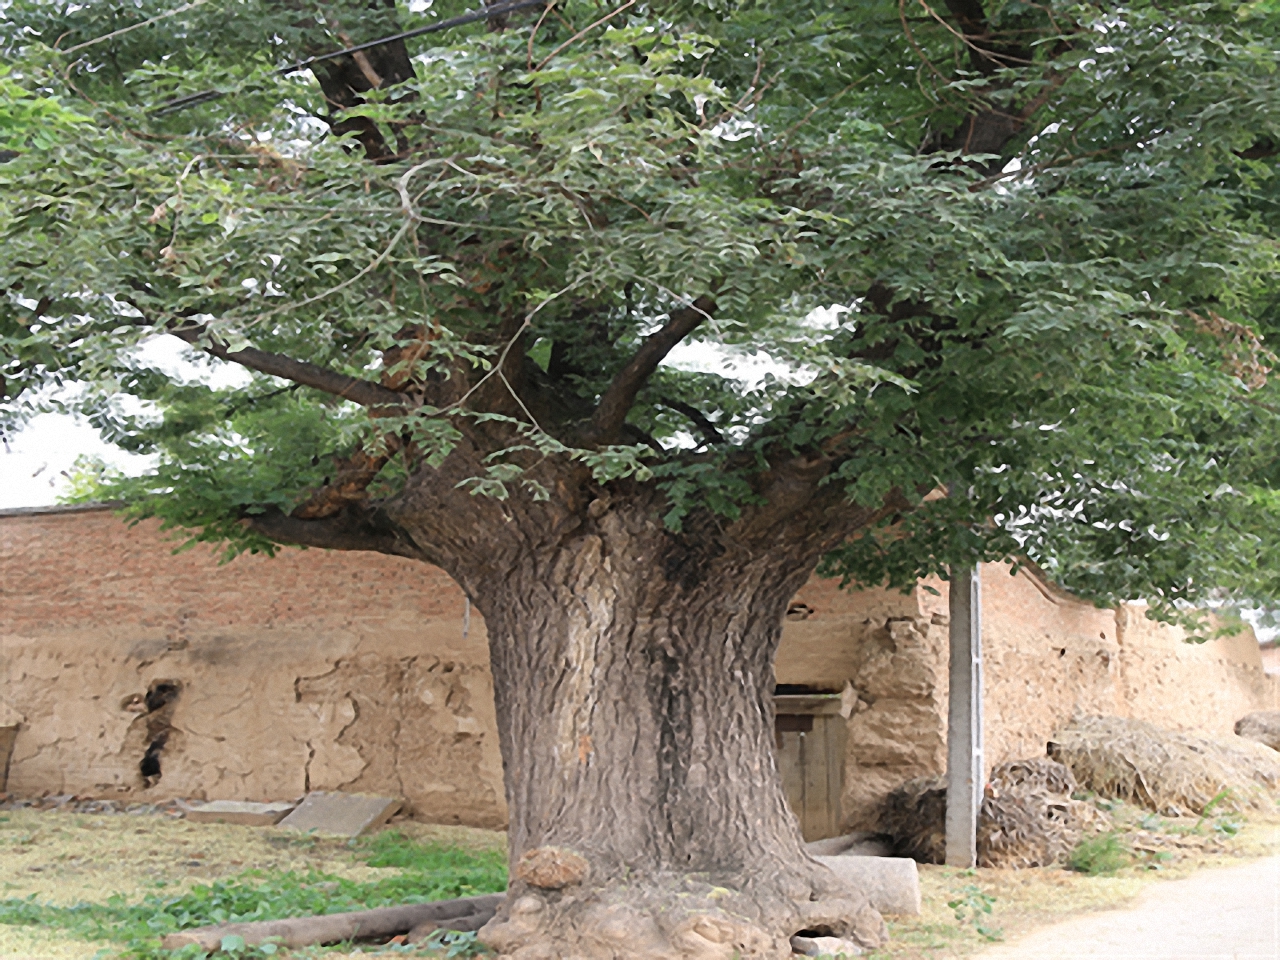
{"type": "Point", "coordinates": [358, 672]}
{"type": "Point", "coordinates": [1200, 687]}
{"type": "Point", "coordinates": [1047, 657]}
{"type": "Point", "coordinates": [310, 670]}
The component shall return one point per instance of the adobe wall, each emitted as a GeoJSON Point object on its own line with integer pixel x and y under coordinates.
{"type": "Point", "coordinates": [1047, 657]}
{"type": "Point", "coordinates": [318, 670]}
{"type": "Point", "coordinates": [296, 673]}
{"type": "Point", "coordinates": [1190, 686]}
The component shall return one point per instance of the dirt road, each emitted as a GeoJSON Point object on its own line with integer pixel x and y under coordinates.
{"type": "Point", "coordinates": [1223, 914]}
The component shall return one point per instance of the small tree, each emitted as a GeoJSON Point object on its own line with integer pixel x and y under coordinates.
{"type": "Point", "coordinates": [1011, 266]}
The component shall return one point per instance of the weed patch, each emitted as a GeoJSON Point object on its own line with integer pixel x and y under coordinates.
{"type": "Point", "coordinates": [973, 906]}
{"type": "Point", "coordinates": [1099, 855]}
{"type": "Point", "coordinates": [428, 872]}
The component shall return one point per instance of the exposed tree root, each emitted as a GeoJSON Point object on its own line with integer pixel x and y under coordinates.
{"type": "Point", "coordinates": [675, 917]}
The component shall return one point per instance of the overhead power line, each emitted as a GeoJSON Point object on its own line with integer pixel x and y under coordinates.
{"type": "Point", "coordinates": [134, 26]}
{"type": "Point", "coordinates": [192, 99]}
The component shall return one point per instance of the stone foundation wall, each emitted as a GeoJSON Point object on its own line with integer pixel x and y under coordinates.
{"type": "Point", "coordinates": [262, 678]}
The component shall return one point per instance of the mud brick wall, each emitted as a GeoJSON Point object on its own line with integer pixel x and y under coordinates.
{"type": "Point", "coordinates": [133, 672]}
{"type": "Point", "coordinates": [312, 670]}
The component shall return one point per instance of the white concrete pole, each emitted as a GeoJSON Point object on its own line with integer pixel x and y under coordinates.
{"type": "Point", "coordinates": [964, 719]}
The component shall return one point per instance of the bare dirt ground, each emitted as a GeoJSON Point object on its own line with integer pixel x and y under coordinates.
{"type": "Point", "coordinates": [1023, 901]}
{"type": "Point", "coordinates": [1230, 913]}
{"type": "Point", "coordinates": [66, 858]}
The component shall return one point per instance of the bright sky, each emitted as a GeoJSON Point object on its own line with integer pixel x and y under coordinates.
{"type": "Point", "coordinates": [35, 463]}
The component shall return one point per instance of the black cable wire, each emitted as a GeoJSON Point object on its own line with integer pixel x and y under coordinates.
{"type": "Point", "coordinates": [192, 99]}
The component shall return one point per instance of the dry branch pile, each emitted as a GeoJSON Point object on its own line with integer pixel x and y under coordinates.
{"type": "Point", "coordinates": [1027, 818]}
{"type": "Point", "coordinates": [1170, 773]}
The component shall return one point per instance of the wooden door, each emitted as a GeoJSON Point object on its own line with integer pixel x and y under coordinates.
{"type": "Point", "coordinates": [809, 735]}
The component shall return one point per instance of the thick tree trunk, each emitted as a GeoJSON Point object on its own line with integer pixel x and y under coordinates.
{"type": "Point", "coordinates": [634, 681]}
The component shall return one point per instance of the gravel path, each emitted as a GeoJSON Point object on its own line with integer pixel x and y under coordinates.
{"type": "Point", "coordinates": [1231, 913]}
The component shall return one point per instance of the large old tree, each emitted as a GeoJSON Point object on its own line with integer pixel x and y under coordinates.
{"type": "Point", "coordinates": [631, 317]}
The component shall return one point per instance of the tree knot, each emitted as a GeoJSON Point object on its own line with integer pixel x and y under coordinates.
{"type": "Point", "coordinates": [552, 868]}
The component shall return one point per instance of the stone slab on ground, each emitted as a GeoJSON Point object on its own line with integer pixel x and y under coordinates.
{"type": "Point", "coordinates": [240, 812]}
{"type": "Point", "coordinates": [1232, 913]}
{"type": "Point", "coordinates": [825, 947]}
{"type": "Point", "coordinates": [858, 844]}
{"type": "Point", "coordinates": [892, 884]}
{"type": "Point", "coordinates": [341, 814]}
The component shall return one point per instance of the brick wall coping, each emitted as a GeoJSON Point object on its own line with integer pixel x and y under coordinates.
{"type": "Point", "coordinates": [59, 508]}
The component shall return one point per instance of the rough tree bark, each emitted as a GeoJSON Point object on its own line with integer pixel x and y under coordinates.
{"type": "Point", "coordinates": [634, 697]}
{"type": "Point", "coordinates": [633, 673]}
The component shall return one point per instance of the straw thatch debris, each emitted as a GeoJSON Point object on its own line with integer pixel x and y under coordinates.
{"type": "Point", "coordinates": [915, 815]}
{"type": "Point", "coordinates": [1263, 726]}
{"type": "Point", "coordinates": [1027, 817]}
{"type": "Point", "coordinates": [1170, 773]}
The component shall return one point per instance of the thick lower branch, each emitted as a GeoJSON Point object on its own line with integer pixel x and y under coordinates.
{"type": "Point", "coordinates": [353, 528]}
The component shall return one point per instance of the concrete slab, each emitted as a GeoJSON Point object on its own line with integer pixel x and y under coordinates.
{"type": "Point", "coordinates": [892, 884]}
{"type": "Point", "coordinates": [240, 812]}
{"type": "Point", "coordinates": [341, 814]}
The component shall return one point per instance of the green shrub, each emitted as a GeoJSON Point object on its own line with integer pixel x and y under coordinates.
{"type": "Point", "coordinates": [1098, 855]}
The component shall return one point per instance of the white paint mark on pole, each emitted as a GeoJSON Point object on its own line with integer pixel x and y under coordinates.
{"type": "Point", "coordinates": [964, 719]}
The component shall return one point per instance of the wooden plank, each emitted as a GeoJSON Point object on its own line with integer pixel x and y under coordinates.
{"type": "Point", "coordinates": [817, 704]}
{"type": "Point", "coordinates": [837, 731]}
{"type": "Point", "coordinates": [789, 770]}
{"type": "Point", "coordinates": [813, 759]}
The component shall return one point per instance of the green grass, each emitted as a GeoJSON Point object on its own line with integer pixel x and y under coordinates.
{"type": "Point", "coordinates": [1099, 855]}
{"type": "Point", "coordinates": [430, 872]}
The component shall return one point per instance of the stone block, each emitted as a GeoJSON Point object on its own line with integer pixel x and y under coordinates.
{"type": "Point", "coordinates": [341, 814]}
{"type": "Point", "coordinates": [892, 884]}
{"type": "Point", "coordinates": [1263, 726]}
{"type": "Point", "coordinates": [240, 812]}
{"type": "Point", "coordinates": [825, 947]}
{"type": "Point", "coordinates": [857, 844]}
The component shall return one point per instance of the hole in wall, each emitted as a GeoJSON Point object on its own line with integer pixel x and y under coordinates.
{"type": "Point", "coordinates": [158, 702]}
{"type": "Point", "coordinates": [799, 611]}
{"type": "Point", "coordinates": [150, 765]}
{"type": "Point", "coordinates": [161, 693]}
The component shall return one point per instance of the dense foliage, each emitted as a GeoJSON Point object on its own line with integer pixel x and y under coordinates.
{"type": "Point", "coordinates": [1025, 253]}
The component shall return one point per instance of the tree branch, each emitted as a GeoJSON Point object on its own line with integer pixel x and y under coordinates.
{"type": "Point", "coordinates": [353, 528]}
{"type": "Point", "coordinates": [367, 394]}
{"type": "Point", "coordinates": [616, 403]}
{"type": "Point", "coordinates": [710, 433]}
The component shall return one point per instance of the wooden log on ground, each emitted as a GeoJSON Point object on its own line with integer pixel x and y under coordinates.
{"type": "Point", "coordinates": [337, 927]}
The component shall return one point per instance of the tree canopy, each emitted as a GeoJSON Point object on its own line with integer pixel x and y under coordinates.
{"type": "Point", "coordinates": [1005, 271]}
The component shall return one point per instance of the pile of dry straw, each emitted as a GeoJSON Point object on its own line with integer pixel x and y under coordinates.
{"type": "Point", "coordinates": [1170, 773]}
{"type": "Point", "coordinates": [1029, 816]}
